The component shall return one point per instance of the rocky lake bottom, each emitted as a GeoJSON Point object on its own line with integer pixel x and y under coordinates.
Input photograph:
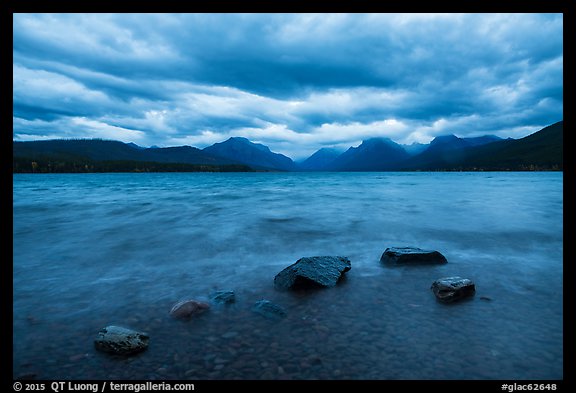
{"type": "Point", "coordinates": [125, 257]}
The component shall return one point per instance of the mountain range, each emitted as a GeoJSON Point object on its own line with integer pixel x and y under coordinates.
{"type": "Point", "coordinates": [541, 150]}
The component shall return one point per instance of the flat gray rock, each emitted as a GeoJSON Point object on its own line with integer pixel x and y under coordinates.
{"type": "Point", "coordinates": [321, 271]}
{"type": "Point", "coordinates": [451, 289]}
{"type": "Point", "coordinates": [121, 341]}
{"type": "Point", "coordinates": [268, 309]}
{"type": "Point", "coordinates": [411, 255]}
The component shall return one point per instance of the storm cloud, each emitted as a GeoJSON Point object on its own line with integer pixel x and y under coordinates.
{"type": "Point", "coordinates": [294, 82]}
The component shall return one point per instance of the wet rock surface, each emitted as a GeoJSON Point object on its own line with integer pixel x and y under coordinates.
{"type": "Point", "coordinates": [121, 341]}
{"type": "Point", "coordinates": [223, 297]}
{"type": "Point", "coordinates": [451, 289]}
{"type": "Point", "coordinates": [318, 271]}
{"type": "Point", "coordinates": [269, 310]}
{"type": "Point", "coordinates": [186, 309]}
{"type": "Point", "coordinates": [411, 255]}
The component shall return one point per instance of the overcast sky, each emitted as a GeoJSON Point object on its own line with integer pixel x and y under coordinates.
{"type": "Point", "coordinates": [294, 82]}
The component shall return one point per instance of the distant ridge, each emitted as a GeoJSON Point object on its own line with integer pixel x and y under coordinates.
{"type": "Point", "coordinates": [85, 155]}
{"type": "Point", "coordinates": [542, 150]}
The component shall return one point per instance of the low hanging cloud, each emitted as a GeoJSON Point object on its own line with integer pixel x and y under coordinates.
{"type": "Point", "coordinates": [295, 82]}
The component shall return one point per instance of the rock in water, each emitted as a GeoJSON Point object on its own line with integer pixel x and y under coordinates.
{"type": "Point", "coordinates": [223, 297]}
{"type": "Point", "coordinates": [450, 289]}
{"type": "Point", "coordinates": [121, 341]}
{"type": "Point", "coordinates": [324, 271]}
{"type": "Point", "coordinates": [411, 255]}
{"type": "Point", "coordinates": [268, 309]}
{"type": "Point", "coordinates": [188, 308]}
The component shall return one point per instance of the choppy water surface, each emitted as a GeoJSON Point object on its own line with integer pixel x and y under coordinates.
{"type": "Point", "coordinates": [92, 250]}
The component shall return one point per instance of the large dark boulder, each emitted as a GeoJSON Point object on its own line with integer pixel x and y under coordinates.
{"type": "Point", "coordinates": [121, 341]}
{"type": "Point", "coordinates": [450, 289]}
{"type": "Point", "coordinates": [411, 255]}
{"type": "Point", "coordinates": [323, 271]}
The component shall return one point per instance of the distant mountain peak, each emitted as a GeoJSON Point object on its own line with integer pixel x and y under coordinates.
{"type": "Point", "coordinates": [444, 138]}
{"type": "Point", "coordinates": [378, 153]}
{"type": "Point", "coordinates": [237, 139]}
{"type": "Point", "coordinates": [135, 146]}
{"type": "Point", "coordinates": [377, 139]}
{"type": "Point", "coordinates": [245, 141]}
{"type": "Point", "coordinates": [320, 159]}
{"type": "Point", "coordinates": [243, 150]}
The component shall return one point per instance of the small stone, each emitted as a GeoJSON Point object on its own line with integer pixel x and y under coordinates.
{"type": "Point", "coordinates": [223, 297]}
{"type": "Point", "coordinates": [411, 255]}
{"type": "Point", "coordinates": [269, 310]}
{"type": "Point", "coordinates": [121, 341]}
{"type": "Point", "coordinates": [75, 358]}
{"type": "Point", "coordinates": [451, 289]}
{"type": "Point", "coordinates": [229, 334]}
{"type": "Point", "coordinates": [32, 320]}
{"type": "Point", "coordinates": [186, 309]}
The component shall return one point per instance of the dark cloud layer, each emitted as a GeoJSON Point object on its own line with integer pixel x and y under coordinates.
{"type": "Point", "coordinates": [296, 82]}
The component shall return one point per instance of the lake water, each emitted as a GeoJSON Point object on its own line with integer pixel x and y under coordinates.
{"type": "Point", "coordinates": [92, 250]}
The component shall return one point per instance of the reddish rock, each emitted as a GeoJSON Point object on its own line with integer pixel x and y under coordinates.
{"type": "Point", "coordinates": [188, 308]}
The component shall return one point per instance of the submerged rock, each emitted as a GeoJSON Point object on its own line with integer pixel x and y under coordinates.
{"type": "Point", "coordinates": [323, 271]}
{"type": "Point", "coordinates": [121, 341]}
{"type": "Point", "coordinates": [411, 255]}
{"type": "Point", "coordinates": [223, 297]}
{"type": "Point", "coordinates": [188, 308]}
{"type": "Point", "coordinates": [450, 289]}
{"type": "Point", "coordinates": [268, 309]}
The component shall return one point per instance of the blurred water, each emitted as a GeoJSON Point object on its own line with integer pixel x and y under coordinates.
{"type": "Point", "coordinates": [90, 250]}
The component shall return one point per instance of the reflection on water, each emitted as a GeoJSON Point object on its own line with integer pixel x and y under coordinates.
{"type": "Point", "coordinates": [102, 249]}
